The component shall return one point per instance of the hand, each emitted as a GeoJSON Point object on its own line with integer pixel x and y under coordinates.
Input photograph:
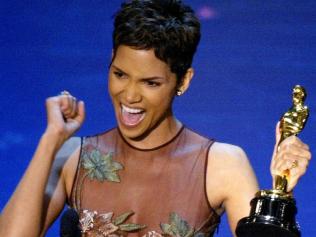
{"type": "Point", "coordinates": [65, 115]}
{"type": "Point", "coordinates": [293, 155]}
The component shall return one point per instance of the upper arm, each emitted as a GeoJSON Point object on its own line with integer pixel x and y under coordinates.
{"type": "Point", "coordinates": [61, 177]}
{"type": "Point", "coordinates": [231, 182]}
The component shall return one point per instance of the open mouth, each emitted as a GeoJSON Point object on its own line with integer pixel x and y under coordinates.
{"type": "Point", "coordinates": [131, 116]}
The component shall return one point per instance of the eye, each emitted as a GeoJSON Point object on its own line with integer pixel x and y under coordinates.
{"type": "Point", "coordinates": [152, 83]}
{"type": "Point", "coordinates": [118, 74]}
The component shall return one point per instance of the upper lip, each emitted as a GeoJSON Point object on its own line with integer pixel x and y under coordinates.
{"type": "Point", "coordinates": [131, 109]}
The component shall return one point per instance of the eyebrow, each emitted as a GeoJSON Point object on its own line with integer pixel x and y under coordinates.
{"type": "Point", "coordinates": [145, 78]}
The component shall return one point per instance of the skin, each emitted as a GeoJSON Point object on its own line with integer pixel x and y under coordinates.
{"type": "Point", "coordinates": [47, 182]}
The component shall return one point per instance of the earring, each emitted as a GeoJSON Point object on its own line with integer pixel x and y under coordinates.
{"type": "Point", "coordinates": [179, 92]}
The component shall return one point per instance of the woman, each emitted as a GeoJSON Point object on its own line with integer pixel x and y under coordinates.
{"type": "Point", "coordinates": [151, 175]}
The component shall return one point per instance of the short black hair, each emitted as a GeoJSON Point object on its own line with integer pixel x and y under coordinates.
{"type": "Point", "coordinates": [169, 27]}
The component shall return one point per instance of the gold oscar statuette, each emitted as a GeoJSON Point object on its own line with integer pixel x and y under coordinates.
{"type": "Point", "coordinates": [273, 211]}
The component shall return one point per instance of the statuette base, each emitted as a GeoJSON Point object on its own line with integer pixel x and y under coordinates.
{"type": "Point", "coordinates": [272, 214]}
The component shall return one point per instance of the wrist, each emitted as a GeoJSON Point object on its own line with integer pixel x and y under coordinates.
{"type": "Point", "coordinates": [53, 140]}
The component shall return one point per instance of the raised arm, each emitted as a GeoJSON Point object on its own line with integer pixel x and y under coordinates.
{"type": "Point", "coordinates": [28, 208]}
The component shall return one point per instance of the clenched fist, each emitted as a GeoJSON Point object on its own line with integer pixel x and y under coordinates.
{"type": "Point", "coordinates": [65, 115]}
{"type": "Point", "coordinates": [292, 156]}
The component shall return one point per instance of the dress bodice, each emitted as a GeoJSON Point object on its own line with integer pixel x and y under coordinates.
{"type": "Point", "coordinates": [121, 190]}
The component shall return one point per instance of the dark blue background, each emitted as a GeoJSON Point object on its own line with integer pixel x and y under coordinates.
{"type": "Point", "coordinates": [251, 55]}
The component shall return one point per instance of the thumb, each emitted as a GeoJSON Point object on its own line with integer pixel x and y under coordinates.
{"type": "Point", "coordinates": [277, 138]}
{"type": "Point", "coordinates": [75, 123]}
{"type": "Point", "coordinates": [277, 133]}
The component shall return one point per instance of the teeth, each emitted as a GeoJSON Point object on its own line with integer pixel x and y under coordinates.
{"type": "Point", "coordinates": [130, 110]}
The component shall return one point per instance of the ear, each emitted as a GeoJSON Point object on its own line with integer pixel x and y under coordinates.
{"type": "Point", "coordinates": [186, 80]}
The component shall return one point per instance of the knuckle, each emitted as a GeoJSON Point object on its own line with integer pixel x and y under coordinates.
{"type": "Point", "coordinates": [303, 165]}
{"type": "Point", "coordinates": [288, 147]}
{"type": "Point", "coordinates": [280, 154]}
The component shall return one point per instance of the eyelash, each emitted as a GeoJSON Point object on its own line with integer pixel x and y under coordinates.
{"type": "Point", "coordinates": [152, 83]}
{"type": "Point", "coordinates": [119, 74]}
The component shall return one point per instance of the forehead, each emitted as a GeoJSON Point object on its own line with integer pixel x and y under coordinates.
{"type": "Point", "coordinates": [140, 61]}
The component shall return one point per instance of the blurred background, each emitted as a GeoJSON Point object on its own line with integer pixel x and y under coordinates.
{"type": "Point", "coordinates": [251, 55]}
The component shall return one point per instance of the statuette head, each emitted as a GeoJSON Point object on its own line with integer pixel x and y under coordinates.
{"type": "Point", "coordinates": [299, 95]}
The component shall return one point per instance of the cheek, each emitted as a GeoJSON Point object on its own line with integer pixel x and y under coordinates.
{"type": "Point", "coordinates": [160, 99]}
{"type": "Point", "coordinates": [113, 87]}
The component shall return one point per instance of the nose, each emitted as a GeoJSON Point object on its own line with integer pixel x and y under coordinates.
{"type": "Point", "coordinates": [132, 93]}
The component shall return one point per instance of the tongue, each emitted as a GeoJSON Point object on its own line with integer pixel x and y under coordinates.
{"type": "Point", "coordinates": [131, 119]}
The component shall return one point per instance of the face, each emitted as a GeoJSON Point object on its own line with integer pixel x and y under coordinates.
{"type": "Point", "coordinates": [142, 88]}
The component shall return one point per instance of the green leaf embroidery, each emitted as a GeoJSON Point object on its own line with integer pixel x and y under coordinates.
{"type": "Point", "coordinates": [112, 176]}
{"type": "Point", "coordinates": [131, 227]}
{"type": "Point", "coordinates": [101, 167]}
{"type": "Point", "coordinates": [190, 233]}
{"type": "Point", "coordinates": [120, 219]}
{"type": "Point", "coordinates": [177, 226]}
{"type": "Point", "coordinates": [166, 229]}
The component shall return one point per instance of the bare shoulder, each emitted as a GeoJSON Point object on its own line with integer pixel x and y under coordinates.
{"type": "Point", "coordinates": [228, 158]}
{"type": "Point", "coordinates": [224, 152]}
{"type": "Point", "coordinates": [228, 172]}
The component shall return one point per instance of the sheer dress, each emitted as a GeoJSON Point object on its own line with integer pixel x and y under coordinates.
{"type": "Point", "coordinates": [121, 190]}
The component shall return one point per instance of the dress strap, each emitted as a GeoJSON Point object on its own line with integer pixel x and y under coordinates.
{"type": "Point", "coordinates": [73, 200]}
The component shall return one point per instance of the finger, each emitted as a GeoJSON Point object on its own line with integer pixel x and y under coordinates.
{"type": "Point", "coordinates": [282, 164]}
{"type": "Point", "coordinates": [289, 158]}
{"type": "Point", "coordinates": [64, 104]}
{"type": "Point", "coordinates": [74, 107]}
{"type": "Point", "coordinates": [299, 142]}
{"type": "Point", "coordinates": [53, 109]}
{"type": "Point", "coordinates": [295, 167]}
{"type": "Point", "coordinates": [294, 150]}
{"type": "Point", "coordinates": [74, 123]}
{"type": "Point", "coordinates": [291, 184]}
{"type": "Point", "coordinates": [277, 138]}
{"type": "Point", "coordinates": [280, 167]}
{"type": "Point", "coordinates": [295, 175]}
{"type": "Point", "coordinates": [68, 105]}
{"type": "Point", "coordinates": [277, 133]}
{"type": "Point", "coordinates": [276, 147]}
{"type": "Point", "coordinates": [294, 140]}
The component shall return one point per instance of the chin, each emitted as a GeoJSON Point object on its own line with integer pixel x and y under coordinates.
{"type": "Point", "coordinates": [132, 133]}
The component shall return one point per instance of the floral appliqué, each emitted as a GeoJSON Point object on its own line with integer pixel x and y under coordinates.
{"type": "Point", "coordinates": [177, 227]}
{"type": "Point", "coordinates": [102, 225]}
{"type": "Point", "coordinates": [101, 166]}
